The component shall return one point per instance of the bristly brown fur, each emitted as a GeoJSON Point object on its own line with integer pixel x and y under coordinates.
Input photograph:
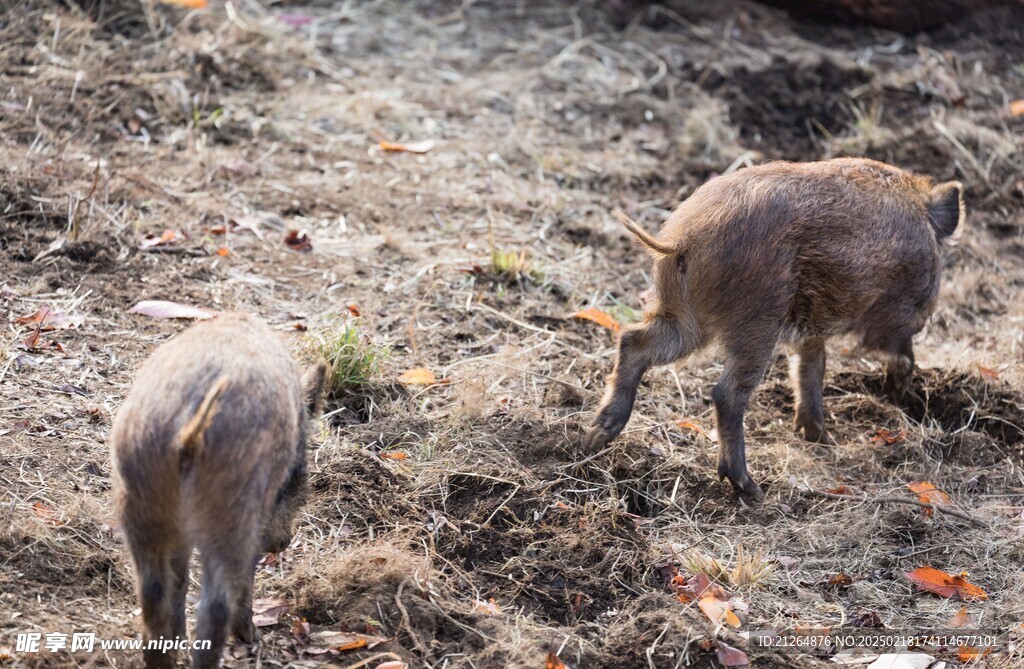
{"type": "Point", "coordinates": [793, 252]}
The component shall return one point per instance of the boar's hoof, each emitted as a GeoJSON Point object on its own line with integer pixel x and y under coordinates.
{"type": "Point", "coordinates": [815, 435]}
{"type": "Point", "coordinates": [246, 632]}
{"type": "Point", "coordinates": [596, 439]}
{"type": "Point", "coordinates": [606, 428]}
{"type": "Point", "coordinates": [743, 484]}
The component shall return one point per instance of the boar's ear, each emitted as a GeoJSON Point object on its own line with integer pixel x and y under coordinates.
{"type": "Point", "coordinates": [313, 381]}
{"type": "Point", "coordinates": [946, 208]}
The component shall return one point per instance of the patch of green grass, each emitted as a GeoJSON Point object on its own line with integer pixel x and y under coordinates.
{"type": "Point", "coordinates": [355, 359]}
{"type": "Point", "coordinates": [513, 266]}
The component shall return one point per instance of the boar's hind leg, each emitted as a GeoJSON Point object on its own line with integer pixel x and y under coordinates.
{"type": "Point", "coordinates": [225, 573]}
{"type": "Point", "coordinates": [155, 594]}
{"type": "Point", "coordinates": [808, 378]}
{"type": "Point", "coordinates": [658, 341]}
{"type": "Point", "coordinates": [179, 579]}
{"type": "Point", "coordinates": [746, 360]}
{"type": "Point", "coordinates": [241, 621]}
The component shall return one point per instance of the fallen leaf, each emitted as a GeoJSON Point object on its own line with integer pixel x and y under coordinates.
{"type": "Point", "coordinates": [599, 317]}
{"type": "Point", "coordinates": [942, 584]}
{"type": "Point", "coordinates": [392, 664]}
{"type": "Point", "coordinates": [729, 656]}
{"type": "Point", "coordinates": [902, 661]}
{"type": "Point", "coordinates": [413, 147]}
{"type": "Point", "coordinates": [489, 608]}
{"type": "Point", "coordinates": [968, 653]}
{"type": "Point", "coordinates": [188, 4]}
{"type": "Point", "coordinates": [687, 425]}
{"type": "Point", "coordinates": [929, 494]}
{"type": "Point", "coordinates": [840, 490]}
{"type": "Point", "coordinates": [396, 455]}
{"type": "Point", "coordinates": [718, 611]}
{"type": "Point", "coordinates": [328, 640]}
{"type": "Point", "coordinates": [164, 309]}
{"type": "Point", "coordinates": [842, 579]}
{"type": "Point", "coordinates": [419, 376]}
{"type": "Point", "coordinates": [960, 619]}
{"type": "Point", "coordinates": [47, 513]}
{"type": "Point", "coordinates": [354, 310]}
{"type": "Point", "coordinates": [887, 437]}
{"type": "Point", "coordinates": [553, 662]}
{"type": "Point", "coordinates": [1017, 108]}
{"type": "Point", "coordinates": [168, 237]}
{"type": "Point", "coordinates": [300, 629]}
{"type": "Point", "coordinates": [267, 611]}
{"type": "Point", "coordinates": [223, 251]}
{"type": "Point", "coordinates": [298, 240]}
{"type": "Point", "coordinates": [696, 587]}
{"type": "Point", "coordinates": [295, 20]}
{"type": "Point", "coordinates": [855, 655]}
{"type": "Point", "coordinates": [988, 372]}
{"type": "Point", "coordinates": [46, 319]}
{"type": "Point", "coordinates": [34, 342]}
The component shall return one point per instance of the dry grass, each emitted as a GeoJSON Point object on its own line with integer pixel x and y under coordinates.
{"type": "Point", "coordinates": [545, 119]}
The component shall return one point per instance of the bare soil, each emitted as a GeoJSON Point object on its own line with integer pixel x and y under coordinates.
{"type": "Point", "coordinates": [259, 119]}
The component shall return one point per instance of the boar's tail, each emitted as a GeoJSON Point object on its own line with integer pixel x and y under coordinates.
{"type": "Point", "coordinates": [642, 236]}
{"type": "Point", "coordinates": [190, 437]}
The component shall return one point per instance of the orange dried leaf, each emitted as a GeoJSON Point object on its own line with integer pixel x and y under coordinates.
{"type": "Point", "coordinates": [1017, 108]}
{"type": "Point", "coordinates": [46, 318]}
{"type": "Point", "coordinates": [988, 372]}
{"type": "Point", "coordinates": [342, 641]}
{"type": "Point", "coordinates": [936, 581]}
{"type": "Point", "coordinates": [887, 437]}
{"type": "Point", "coordinates": [968, 653]}
{"type": "Point", "coordinates": [223, 251]}
{"type": "Point", "coordinates": [188, 4]}
{"type": "Point", "coordinates": [412, 147]}
{"type": "Point", "coordinates": [718, 611]}
{"type": "Point", "coordinates": [46, 513]}
{"type": "Point", "coordinates": [419, 376]}
{"type": "Point", "coordinates": [929, 494]}
{"type": "Point", "coordinates": [489, 608]}
{"type": "Point", "coordinates": [688, 425]}
{"type": "Point", "coordinates": [169, 236]}
{"type": "Point", "coordinates": [298, 240]}
{"type": "Point", "coordinates": [840, 490]}
{"type": "Point", "coordinates": [960, 619]}
{"type": "Point", "coordinates": [553, 662]}
{"type": "Point", "coordinates": [601, 318]}
{"type": "Point", "coordinates": [397, 455]}
{"type": "Point", "coordinates": [354, 310]}
{"type": "Point", "coordinates": [841, 579]}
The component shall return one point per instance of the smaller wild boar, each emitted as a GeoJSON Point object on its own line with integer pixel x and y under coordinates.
{"type": "Point", "coordinates": [796, 252]}
{"type": "Point", "coordinates": [209, 452]}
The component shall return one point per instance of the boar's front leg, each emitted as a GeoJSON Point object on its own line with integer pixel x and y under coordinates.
{"type": "Point", "coordinates": [808, 373]}
{"type": "Point", "coordinates": [899, 368]}
{"type": "Point", "coordinates": [658, 341]}
{"type": "Point", "coordinates": [746, 360]}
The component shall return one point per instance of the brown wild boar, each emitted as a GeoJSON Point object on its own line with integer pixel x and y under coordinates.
{"type": "Point", "coordinates": [209, 452]}
{"type": "Point", "coordinates": [797, 252]}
